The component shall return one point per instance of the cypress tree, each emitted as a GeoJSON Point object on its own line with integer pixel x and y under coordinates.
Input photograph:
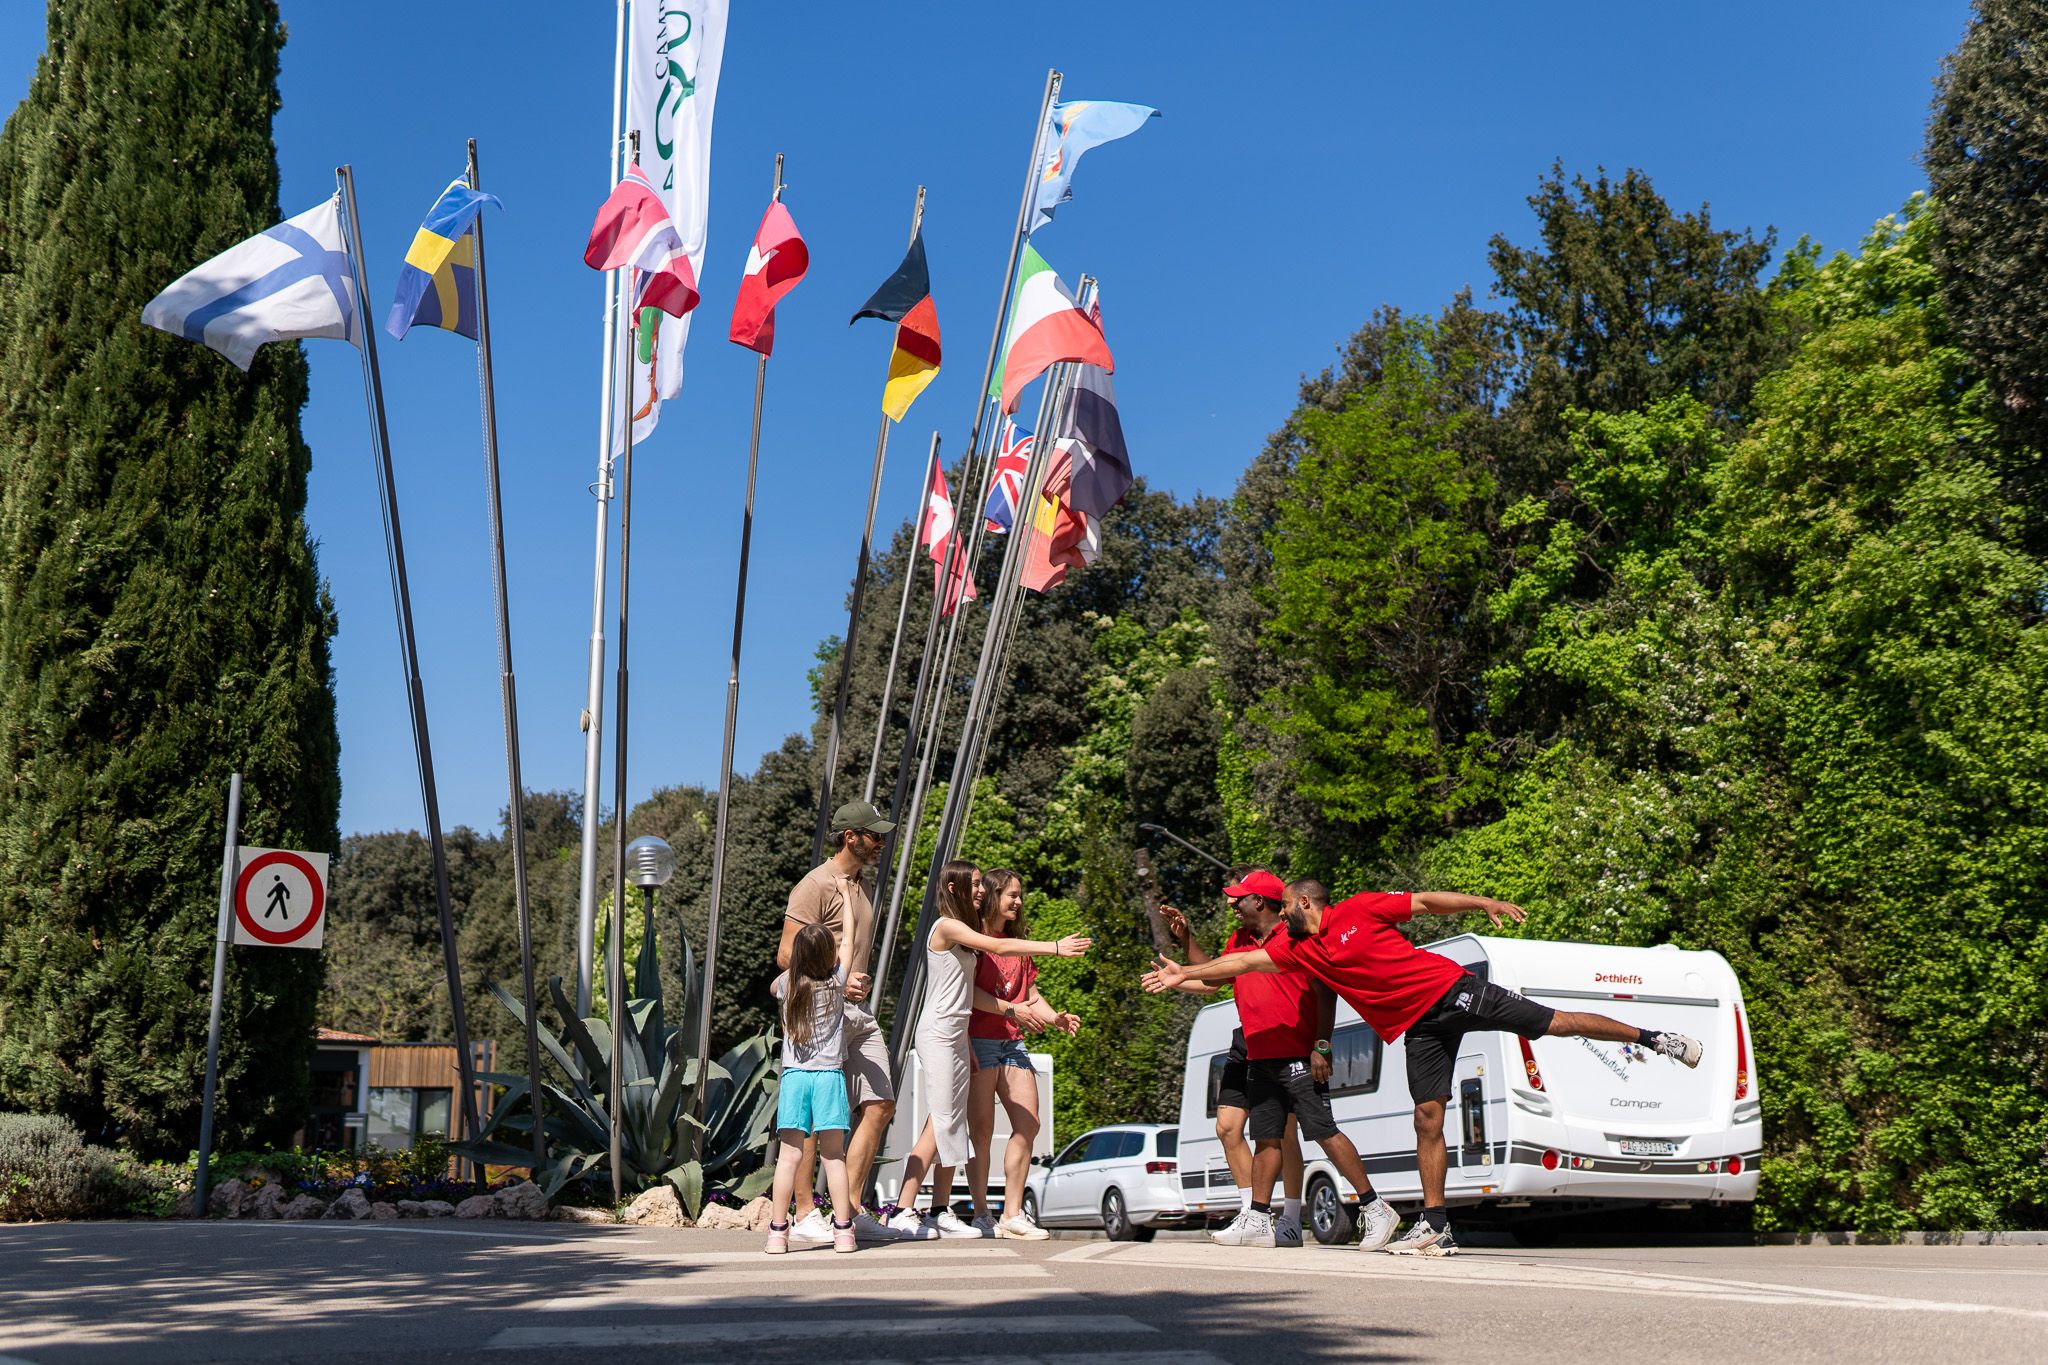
{"type": "Point", "coordinates": [1987, 161]}
{"type": "Point", "coordinates": [161, 619]}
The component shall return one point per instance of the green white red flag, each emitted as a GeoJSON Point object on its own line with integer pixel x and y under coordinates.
{"type": "Point", "coordinates": [1046, 327]}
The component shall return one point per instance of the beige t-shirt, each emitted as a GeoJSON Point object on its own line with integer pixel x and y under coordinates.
{"type": "Point", "coordinates": [822, 897]}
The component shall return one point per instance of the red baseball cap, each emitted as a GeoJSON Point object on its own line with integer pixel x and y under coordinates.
{"type": "Point", "coordinates": [1260, 883]}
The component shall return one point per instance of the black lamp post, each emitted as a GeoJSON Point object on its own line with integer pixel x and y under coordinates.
{"type": "Point", "coordinates": [1206, 857]}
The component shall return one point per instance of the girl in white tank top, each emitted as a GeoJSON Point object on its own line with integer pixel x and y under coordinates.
{"type": "Point", "coordinates": [943, 1054]}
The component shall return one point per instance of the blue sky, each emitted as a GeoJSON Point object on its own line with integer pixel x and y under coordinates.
{"type": "Point", "coordinates": [1313, 162]}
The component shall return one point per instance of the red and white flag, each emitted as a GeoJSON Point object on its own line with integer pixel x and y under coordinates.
{"type": "Point", "coordinates": [633, 228]}
{"type": "Point", "coordinates": [775, 265]}
{"type": "Point", "coordinates": [936, 535]}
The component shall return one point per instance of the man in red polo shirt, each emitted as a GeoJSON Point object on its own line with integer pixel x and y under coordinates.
{"type": "Point", "coordinates": [1286, 1018]}
{"type": "Point", "coordinates": [1255, 897]}
{"type": "Point", "coordinates": [1354, 948]}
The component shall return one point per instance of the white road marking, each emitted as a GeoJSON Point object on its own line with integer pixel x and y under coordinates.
{"type": "Point", "coordinates": [671, 1295]}
{"type": "Point", "coordinates": [1087, 1251]}
{"type": "Point", "coordinates": [695, 1332]}
{"type": "Point", "coordinates": [1547, 1275]}
{"type": "Point", "coordinates": [841, 1279]}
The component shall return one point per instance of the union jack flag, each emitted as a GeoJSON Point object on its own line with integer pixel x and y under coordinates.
{"type": "Point", "coordinates": [1006, 482]}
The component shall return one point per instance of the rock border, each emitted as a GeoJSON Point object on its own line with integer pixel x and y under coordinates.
{"type": "Point", "coordinates": [1914, 1238]}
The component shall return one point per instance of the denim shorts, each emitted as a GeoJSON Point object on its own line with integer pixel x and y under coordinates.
{"type": "Point", "coordinates": [990, 1052]}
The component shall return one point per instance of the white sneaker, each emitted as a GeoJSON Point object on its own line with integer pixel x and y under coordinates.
{"type": "Point", "coordinates": [946, 1223]}
{"type": "Point", "coordinates": [1254, 1229]}
{"type": "Point", "coordinates": [909, 1227]}
{"type": "Point", "coordinates": [1226, 1235]}
{"type": "Point", "coordinates": [1376, 1224]}
{"type": "Point", "coordinates": [985, 1224]}
{"type": "Point", "coordinates": [1286, 1232]}
{"type": "Point", "coordinates": [1423, 1240]}
{"type": "Point", "coordinates": [814, 1229]}
{"type": "Point", "coordinates": [1680, 1047]}
{"type": "Point", "coordinates": [1019, 1226]}
{"type": "Point", "coordinates": [868, 1228]}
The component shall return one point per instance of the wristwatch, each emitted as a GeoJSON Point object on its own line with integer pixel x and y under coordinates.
{"type": "Point", "coordinates": [1323, 1046]}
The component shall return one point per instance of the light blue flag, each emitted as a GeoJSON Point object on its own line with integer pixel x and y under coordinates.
{"type": "Point", "coordinates": [1072, 129]}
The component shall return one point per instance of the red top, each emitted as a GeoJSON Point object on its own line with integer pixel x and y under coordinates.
{"type": "Point", "coordinates": [1359, 954]}
{"type": "Point", "coordinates": [1006, 978]}
{"type": "Point", "coordinates": [1276, 1009]}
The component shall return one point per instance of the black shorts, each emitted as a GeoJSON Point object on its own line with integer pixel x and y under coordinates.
{"type": "Point", "coordinates": [1283, 1086]}
{"type": "Point", "coordinates": [1233, 1092]}
{"type": "Point", "coordinates": [1469, 1006]}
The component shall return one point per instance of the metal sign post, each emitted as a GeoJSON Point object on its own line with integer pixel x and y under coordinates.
{"type": "Point", "coordinates": [220, 968]}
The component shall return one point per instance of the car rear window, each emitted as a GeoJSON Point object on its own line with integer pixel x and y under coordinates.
{"type": "Point", "coordinates": [1169, 1143]}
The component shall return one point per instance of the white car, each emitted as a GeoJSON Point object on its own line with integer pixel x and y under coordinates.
{"type": "Point", "coordinates": [1123, 1179]}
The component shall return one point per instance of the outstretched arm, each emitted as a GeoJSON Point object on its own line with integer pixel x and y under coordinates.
{"type": "Point", "coordinates": [951, 933]}
{"type": "Point", "coordinates": [1456, 903]}
{"type": "Point", "coordinates": [1167, 975]}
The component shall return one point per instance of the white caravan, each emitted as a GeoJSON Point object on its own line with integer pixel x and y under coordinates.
{"type": "Point", "coordinates": [1536, 1128]}
{"type": "Point", "coordinates": [912, 1107]}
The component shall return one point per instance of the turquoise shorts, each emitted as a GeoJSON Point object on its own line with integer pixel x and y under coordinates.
{"type": "Point", "coordinates": [812, 1101]}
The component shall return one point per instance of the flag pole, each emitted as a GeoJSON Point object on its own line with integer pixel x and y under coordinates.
{"type": "Point", "coordinates": [617, 1012]}
{"type": "Point", "coordinates": [1000, 606]}
{"type": "Point", "coordinates": [507, 685]}
{"type": "Point", "coordinates": [601, 490]}
{"type": "Point", "coordinates": [860, 583]}
{"type": "Point", "coordinates": [968, 479]}
{"type": "Point", "coordinates": [1061, 387]}
{"type": "Point", "coordinates": [416, 694]}
{"type": "Point", "coordinates": [732, 713]}
{"type": "Point", "coordinates": [903, 613]}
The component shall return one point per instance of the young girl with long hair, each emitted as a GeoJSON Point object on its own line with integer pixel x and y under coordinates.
{"type": "Point", "coordinates": [1002, 1068]}
{"type": "Point", "coordinates": [812, 1098]}
{"type": "Point", "coordinates": [944, 1059]}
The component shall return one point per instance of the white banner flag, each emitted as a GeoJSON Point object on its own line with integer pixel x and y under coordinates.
{"type": "Point", "coordinates": [673, 52]}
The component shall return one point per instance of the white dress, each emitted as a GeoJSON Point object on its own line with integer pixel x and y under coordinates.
{"type": "Point", "coordinates": [942, 1047]}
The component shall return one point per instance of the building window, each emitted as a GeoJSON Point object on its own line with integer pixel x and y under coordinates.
{"type": "Point", "coordinates": [401, 1115]}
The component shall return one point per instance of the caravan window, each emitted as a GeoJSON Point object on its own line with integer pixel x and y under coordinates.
{"type": "Point", "coordinates": [1354, 1061]}
{"type": "Point", "coordinates": [1216, 1065]}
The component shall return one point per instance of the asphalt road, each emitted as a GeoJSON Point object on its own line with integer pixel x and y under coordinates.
{"type": "Point", "coordinates": [161, 1293]}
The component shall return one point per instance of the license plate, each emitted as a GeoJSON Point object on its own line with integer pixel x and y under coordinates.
{"type": "Point", "coordinates": [1648, 1147]}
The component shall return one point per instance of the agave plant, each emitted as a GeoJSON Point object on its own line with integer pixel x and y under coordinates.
{"type": "Point", "coordinates": [660, 1117]}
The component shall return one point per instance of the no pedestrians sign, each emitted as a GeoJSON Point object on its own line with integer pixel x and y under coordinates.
{"type": "Point", "coordinates": [281, 898]}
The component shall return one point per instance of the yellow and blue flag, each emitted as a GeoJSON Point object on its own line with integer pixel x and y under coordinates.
{"type": "Point", "coordinates": [437, 283]}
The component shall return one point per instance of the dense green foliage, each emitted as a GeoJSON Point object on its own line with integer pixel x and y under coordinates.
{"type": "Point", "coordinates": [161, 619]}
{"type": "Point", "coordinates": [48, 1171]}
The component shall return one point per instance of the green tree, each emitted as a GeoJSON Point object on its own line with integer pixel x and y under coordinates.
{"type": "Point", "coordinates": [1377, 544]}
{"type": "Point", "coordinates": [1622, 303]}
{"type": "Point", "coordinates": [161, 619]}
{"type": "Point", "coordinates": [1987, 162]}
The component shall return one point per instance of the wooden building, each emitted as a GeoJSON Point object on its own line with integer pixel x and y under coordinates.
{"type": "Point", "coordinates": [371, 1093]}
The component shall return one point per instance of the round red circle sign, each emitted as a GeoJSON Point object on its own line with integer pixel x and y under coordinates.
{"type": "Point", "coordinates": [248, 921]}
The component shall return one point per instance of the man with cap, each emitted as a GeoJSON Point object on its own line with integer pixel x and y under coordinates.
{"type": "Point", "coordinates": [1256, 914]}
{"type": "Point", "coordinates": [835, 895]}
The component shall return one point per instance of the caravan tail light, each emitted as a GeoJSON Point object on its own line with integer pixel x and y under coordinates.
{"type": "Point", "coordinates": [1550, 1161]}
{"type": "Point", "coordinates": [1161, 1167]}
{"type": "Point", "coordinates": [1529, 1065]}
{"type": "Point", "coordinates": [1741, 1058]}
{"type": "Point", "coordinates": [1733, 1165]}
